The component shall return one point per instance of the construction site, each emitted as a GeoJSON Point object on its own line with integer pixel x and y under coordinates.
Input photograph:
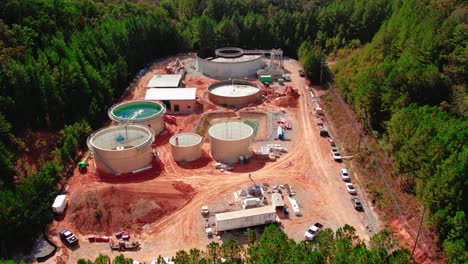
{"type": "Point", "coordinates": [202, 147]}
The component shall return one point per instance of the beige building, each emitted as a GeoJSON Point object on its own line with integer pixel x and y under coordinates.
{"type": "Point", "coordinates": [176, 100]}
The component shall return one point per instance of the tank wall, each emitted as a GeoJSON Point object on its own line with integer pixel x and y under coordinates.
{"type": "Point", "coordinates": [189, 148]}
{"type": "Point", "coordinates": [224, 70]}
{"type": "Point", "coordinates": [230, 151]}
{"type": "Point", "coordinates": [123, 161]}
{"type": "Point", "coordinates": [234, 101]}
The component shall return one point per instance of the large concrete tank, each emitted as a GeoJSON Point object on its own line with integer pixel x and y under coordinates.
{"type": "Point", "coordinates": [230, 140]}
{"type": "Point", "coordinates": [122, 149]}
{"type": "Point", "coordinates": [186, 146]}
{"type": "Point", "coordinates": [139, 112]}
{"type": "Point", "coordinates": [228, 63]}
{"type": "Point", "coordinates": [234, 93]}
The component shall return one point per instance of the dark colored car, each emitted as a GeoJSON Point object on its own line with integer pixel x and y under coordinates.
{"type": "Point", "coordinates": [301, 73]}
{"type": "Point", "coordinates": [68, 237]}
{"type": "Point", "coordinates": [356, 203]}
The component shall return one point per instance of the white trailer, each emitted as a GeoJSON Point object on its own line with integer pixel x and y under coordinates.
{"type": "Point", "coordinates": [295, 206]}
{"type": "Point", "coordinates": [60, 203]}
{"type": "Point", "coordinates": [245, 218]}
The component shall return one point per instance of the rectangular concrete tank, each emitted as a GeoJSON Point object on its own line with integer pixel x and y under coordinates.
{"type": "Point", "coordinates": [245, 218]}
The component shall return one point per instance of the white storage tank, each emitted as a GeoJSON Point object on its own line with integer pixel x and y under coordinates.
{"type": "Point", "coordinates": [186, 146]}
{"type": "Point", "coordinates": [122, 149]}
{"type": "Point", "coordinates": [230, 140]}
{"type": "Point", "coordinates": [245, 218]}
{"type": "Point", "coordinates": [234, 93]}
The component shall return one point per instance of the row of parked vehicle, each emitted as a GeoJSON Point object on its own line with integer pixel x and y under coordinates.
{"type": "Point", "coordinates": [344, 173]}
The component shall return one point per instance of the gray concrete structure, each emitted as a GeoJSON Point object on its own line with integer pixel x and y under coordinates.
{"type": "Point", "coordinates": [145, 113]}
{"type": "Point", "coordinates": [234, 93]}
{"type": "Point", "coordinates": [122, 149]}
{"type": "Point", "coordinates": [230, 140]}
{"type": "Point", "coordinates": [228, 66]}
{"type": "Point", "coordinates": [186, 146]}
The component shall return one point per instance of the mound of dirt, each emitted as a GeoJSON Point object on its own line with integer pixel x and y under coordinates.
{"type": "Point", "coordinates": [109, 209]}
{"type": "Point", "coordinates": [284, 101]}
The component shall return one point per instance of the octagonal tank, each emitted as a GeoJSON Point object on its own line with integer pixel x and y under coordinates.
{"type": "Point", "coordinates": [234, 93]}
{"type": "Point", "coordinates": [139, 112]}
{"type": "Point", "coordinates": [122, 149]}
{"type": "Point", "coordinates": [186, 146]}
{"type": "Point", "coordinates": [230, 140]}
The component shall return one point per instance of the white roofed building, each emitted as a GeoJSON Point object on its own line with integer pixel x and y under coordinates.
{"type": "Point", "coordinates": [176, 100]}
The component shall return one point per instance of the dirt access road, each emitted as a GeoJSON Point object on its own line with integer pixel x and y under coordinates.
{"type": "Point", "coordinates": [308, 166]}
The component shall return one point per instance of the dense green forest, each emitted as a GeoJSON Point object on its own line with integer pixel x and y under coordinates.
{"type": "Point", "coordinates": [401, 66]}
{"type": "Point", "coordinates": [410, 85]}
{"type": "Point", "coordinates": [274, 247]}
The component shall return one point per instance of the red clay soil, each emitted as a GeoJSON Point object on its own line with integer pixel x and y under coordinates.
{"type": "Point", "coordinates": [421, 252]}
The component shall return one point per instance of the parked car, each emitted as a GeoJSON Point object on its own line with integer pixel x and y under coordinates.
{"type": "Point", "coordinates": [301, 73]}
{"type": "Point", "coordinates": [335, 153]}
{"type": "Point", "coordinates": [350, 188]}
{"type": "Point", "coordinates": [344, 174]}
{"type": "Point", "coordinates": [68, 237]}
{"type": "Point", "coordinates": [356, 203]}
{"type": "Point", "coordinates": [313, 231]}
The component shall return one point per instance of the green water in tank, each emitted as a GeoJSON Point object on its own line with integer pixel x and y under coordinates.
{"type": "Point", "coordinates": [137, 110]}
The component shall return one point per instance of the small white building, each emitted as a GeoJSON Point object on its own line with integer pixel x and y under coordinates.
{"type": "Point", "coordinates": [165, 81]}
{"type": "Point", "coordinates": [176, 100]}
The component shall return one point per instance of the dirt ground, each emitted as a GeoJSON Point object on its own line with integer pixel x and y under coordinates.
{"type": "Point", "coordinates": [161, 207]}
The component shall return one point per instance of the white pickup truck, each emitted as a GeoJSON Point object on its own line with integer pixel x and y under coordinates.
{"type": "Point", "coordinates": [313, 231]}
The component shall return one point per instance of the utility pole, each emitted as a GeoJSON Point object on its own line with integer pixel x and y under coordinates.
{"type": "Point", "coordinates": [419, 231]}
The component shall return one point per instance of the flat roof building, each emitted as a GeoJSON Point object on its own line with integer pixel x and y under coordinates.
{"type": "Point", "coordinates": [176, 100]}
{"type": "Point", "coordinates": [165, 81]}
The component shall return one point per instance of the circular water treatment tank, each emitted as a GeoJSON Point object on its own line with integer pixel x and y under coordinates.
{"type": "Point", "coordinates": [122, 149]}
{"type": "Point", "coordinates": [228, 63]}
{"type": "Point", "coordinates": [230, 140]}
{"type": "Point", "coordinates": [234, 93]}
{"type": "Point", "coordinates": [139, 112]}
{"type": "Point", "coordinates": [186, 146]}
